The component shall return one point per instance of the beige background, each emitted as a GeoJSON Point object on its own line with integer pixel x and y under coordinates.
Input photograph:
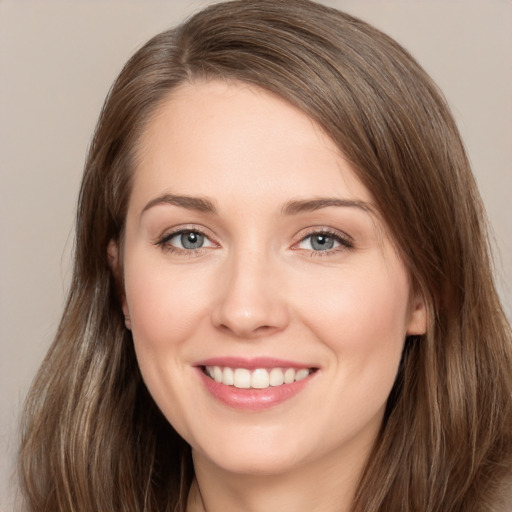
{"type": "Point", "coordinates": [57, 61]}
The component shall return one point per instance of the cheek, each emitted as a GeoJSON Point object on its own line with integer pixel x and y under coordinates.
{"type": "Point", "coordinates": [362, 317]}
{"type": "Point", "coordinates": [165, 307]}
{"type": "Point", "coordinates": [165, 304]}
{"type": "Point", "coordinates": [364, 301]}
{"type": "Point", "coordinates": [362, 322]}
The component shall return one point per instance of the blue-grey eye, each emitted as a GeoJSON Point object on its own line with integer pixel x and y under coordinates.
{"type": "Point", "coordinates": [322, 242]}
{"type": "Point", "coordinates": [191, 240]}
{"type": "Point", "coordinates": [187, 240]}
{"type": "Point", "coordinates": [319, 242]}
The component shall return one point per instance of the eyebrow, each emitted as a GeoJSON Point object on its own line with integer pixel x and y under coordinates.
{"type": "Point", "coordinates": [200, 204]}
{"type": "Point", "coordinates": [310, 205]}
{"type": "Point", "coordinates": [294, 207]}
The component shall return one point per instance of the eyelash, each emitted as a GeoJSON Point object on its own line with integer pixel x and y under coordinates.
{"type": "Point", "coordinates": [344, 240]}
{"type": "Point", "coordinates": [164, 240]}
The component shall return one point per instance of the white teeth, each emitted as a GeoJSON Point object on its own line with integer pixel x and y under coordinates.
{"type": "Point", "coordinates": [276, 377]}
{"type": "Point", "coordinates": [242, 378]}
{"type": "Point", "coordinates": [301, 374]}
{"type": "Point", "coordinates": [217, 374]}
{"type": "Point", "coordinates": [260, 378]}
{"type": "Point", "coordinates": [289, 376]}
{"type": "Point", "coordinates": [228, 377]}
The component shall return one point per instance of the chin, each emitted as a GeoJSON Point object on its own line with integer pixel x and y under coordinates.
{"type": "Point", "coordinates": [257, 464]}
{"type": "Point", "coordinates": [255, 456]}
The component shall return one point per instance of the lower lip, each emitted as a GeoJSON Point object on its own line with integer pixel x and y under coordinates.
{"type": "Point", "coordinates": [253, 399]}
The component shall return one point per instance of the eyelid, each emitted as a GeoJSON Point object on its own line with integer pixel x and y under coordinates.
{"type": "Point", "coordinates": [345, 240]}
{"type": "Point", "coordinates": [164, 239]}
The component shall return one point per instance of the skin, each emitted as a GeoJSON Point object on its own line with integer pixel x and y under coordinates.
{"type": "Point", "coordinates": [257, 288]}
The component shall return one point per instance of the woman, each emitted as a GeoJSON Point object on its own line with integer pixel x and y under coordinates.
{"type": "Point", "coordinates": [282, 296]}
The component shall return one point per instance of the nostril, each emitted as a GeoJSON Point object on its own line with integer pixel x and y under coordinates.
{"type": "Point", "coordinates": [249, 313]}
{"type": "Point", "coordinates": [264, 329]}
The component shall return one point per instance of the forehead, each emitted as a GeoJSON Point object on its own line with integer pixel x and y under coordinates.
{"type": "Point", "coordinates": [217, 137]}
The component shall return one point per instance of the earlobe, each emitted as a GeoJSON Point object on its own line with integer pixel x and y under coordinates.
{"type": "Point", "coordinates": [115, 268]}
{"type": "Point", "coordinates": [127, 319]}
{"type": "Point", "coordinates": [113, 257]}
{"type": "Point", "coordinates": [418, 317]}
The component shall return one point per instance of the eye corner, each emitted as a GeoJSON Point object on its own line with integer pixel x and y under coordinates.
{"type": "Point", "coordinates": [194, 246]}
{"type": "Point", "coordinates": [328, 242]}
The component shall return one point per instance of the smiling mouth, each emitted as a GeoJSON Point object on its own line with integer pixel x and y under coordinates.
{"type": "Point", "coordinates": [259, 378]}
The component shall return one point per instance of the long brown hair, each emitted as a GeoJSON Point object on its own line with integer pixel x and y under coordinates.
{"type": "Point", "coordinates": [93, 439]}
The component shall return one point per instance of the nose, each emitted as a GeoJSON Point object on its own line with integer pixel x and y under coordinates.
{"type": "Point", "coordinates": [250, 299]}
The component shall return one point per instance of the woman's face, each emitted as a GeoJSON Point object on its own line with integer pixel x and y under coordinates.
{"type": "Point", "coordinates": [267, 304]}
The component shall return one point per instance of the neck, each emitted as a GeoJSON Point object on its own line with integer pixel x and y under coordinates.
{"type": "Point", "coordinates": [330, 488]}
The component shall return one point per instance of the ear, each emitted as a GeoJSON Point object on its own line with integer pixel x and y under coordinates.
{"type": "Point", "coordinates": [418, 316]}
{"type": "Point", "coordinates": [115, 267]}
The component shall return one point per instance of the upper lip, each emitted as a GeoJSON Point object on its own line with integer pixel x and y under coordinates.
{"type": "Point", "coordinates": [252, 363]}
